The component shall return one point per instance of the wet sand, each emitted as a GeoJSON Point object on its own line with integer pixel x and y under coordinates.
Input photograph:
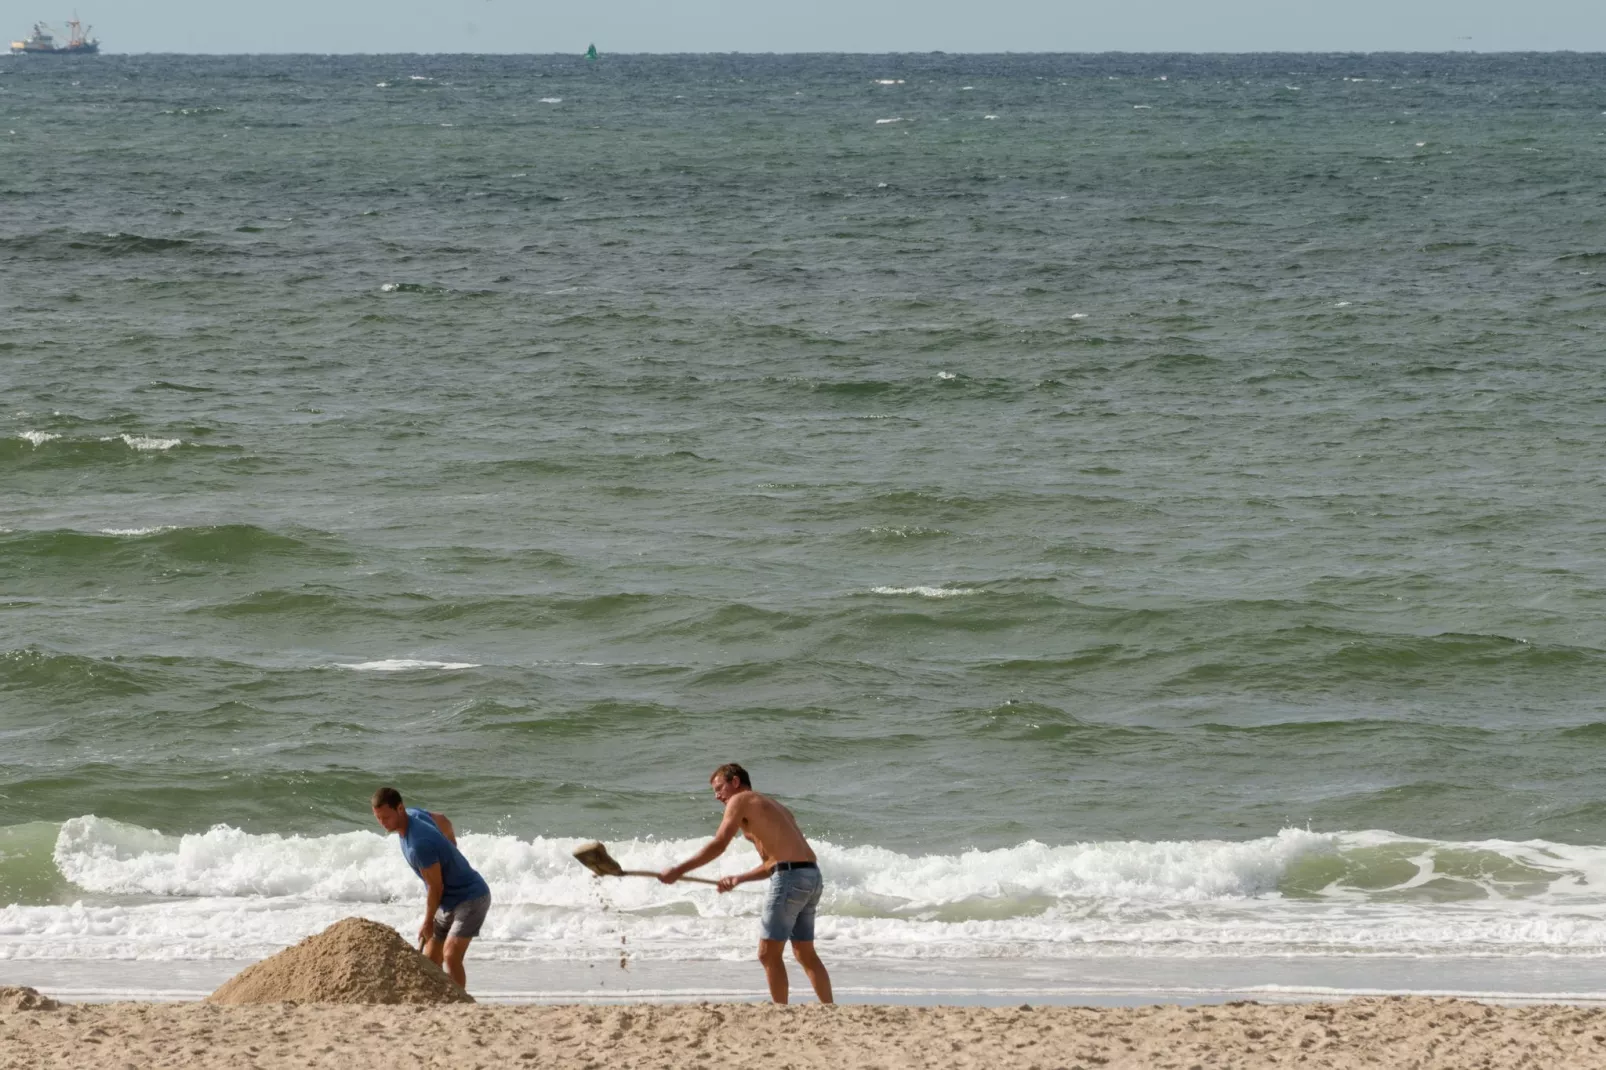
{"type": "Point", "coordinates": [1393, 1032]}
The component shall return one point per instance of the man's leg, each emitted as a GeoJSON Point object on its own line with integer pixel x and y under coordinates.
{"type": "Point", "coordinates": [803, 951]}
{"type": "Point", "coordinates": [769, 953]}
{"type": "Point", "coordinates": [456, 948]}
{"type": "Point", "coordinates": [434, 949]}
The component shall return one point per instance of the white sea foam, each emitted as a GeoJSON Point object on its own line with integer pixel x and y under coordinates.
{"type": "Point", "coordinates": [926, 592]}
{"type": "Point", "coordinates": [389, 287]}
{"type": "Point", "coordinates": [551, 100]}
{"type": "Point", "coordinates": [226, 893]}
{"type": "Point", "coordinates": [38, 438]}
{"type": "Point", "coordinates": [135, 532]}
{"type": "Point", "coordinates": [883, 122]}
{"type": "Point", "coordinates": [146, 443]}
{"type": "Point", "coordinates": [404, 665]}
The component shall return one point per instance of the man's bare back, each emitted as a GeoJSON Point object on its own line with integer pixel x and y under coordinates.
{"type": "Point", "coordinates": [770, 826]}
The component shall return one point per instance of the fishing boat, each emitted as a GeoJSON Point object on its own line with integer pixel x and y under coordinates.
{"type": "Point", "coordinates": [43, 41]}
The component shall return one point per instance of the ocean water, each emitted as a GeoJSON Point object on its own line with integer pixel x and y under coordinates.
{"type": "Point", "coordinates": [1130, 507]}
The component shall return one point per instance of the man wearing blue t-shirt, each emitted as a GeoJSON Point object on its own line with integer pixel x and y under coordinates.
{"type": "Point", "coordinates": [458, 896]}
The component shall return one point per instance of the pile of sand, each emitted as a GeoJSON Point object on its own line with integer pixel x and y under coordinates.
{"type": "Point", "coordinates": [19, 998]}
{"type": "Point", "coordinates": [352, 961]}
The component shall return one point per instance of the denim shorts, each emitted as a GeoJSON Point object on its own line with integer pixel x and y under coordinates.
{"type": "Point", "coordinates": [789, 908]}
{"type": "Point", "coordinates": [464, 920]}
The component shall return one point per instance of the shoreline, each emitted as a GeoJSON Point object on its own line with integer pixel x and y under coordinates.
{"type": "Point", "coordinates": [1089, 980]}
{"type": "Point", "coordinates": [1422, 1033]}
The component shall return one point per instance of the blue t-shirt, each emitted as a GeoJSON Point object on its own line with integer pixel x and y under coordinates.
{"type": "Point", "coordinates": [423, 845]}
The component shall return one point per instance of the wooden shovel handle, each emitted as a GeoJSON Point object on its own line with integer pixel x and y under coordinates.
{"type": "Point", "coordinates": [650, 873]}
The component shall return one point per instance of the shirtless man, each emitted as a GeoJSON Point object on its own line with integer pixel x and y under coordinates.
{"type": "Point", "coordinates": [786, 858]}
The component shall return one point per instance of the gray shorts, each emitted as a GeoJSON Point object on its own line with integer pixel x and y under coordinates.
{"type": "Point", "coordinates": [464, 920]}
{"type": "Point", "coordinates": [789, 908]}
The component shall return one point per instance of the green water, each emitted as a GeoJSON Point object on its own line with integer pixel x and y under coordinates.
{"type": "Point", "coordinates": [1115, 448]}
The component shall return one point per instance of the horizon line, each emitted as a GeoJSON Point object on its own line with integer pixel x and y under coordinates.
{"type": "Point", "coordinates": [926, 52]}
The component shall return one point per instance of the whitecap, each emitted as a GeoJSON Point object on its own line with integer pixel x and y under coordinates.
{"type": "Point", "coordinates": [38, 438]}
{"type": "Point", "coordinates": [551, 100]}
{"type": "Point", "coordinates": [148, 443]}
{"type": "Point", "coordinates": [889, 81]}
{"type": "Point", "coordinates": [926, 592]}
{"type": "Point", "coordinates": [946, 375]}
{"type": "Point", "coordinates": [989, 116]}
{"type": "Point", "coordinates": [388, 288]}
{"type": "Point", "coordinates": [1142, 107]}
{"type": "Point", "coordinates": [404, 665]}
{"type": "Point", "coordinates": [1078, 315]}
{"type": "Point", "coordinates": [883, 122]}
{"type": "Point", "coordinates": [136, 532]}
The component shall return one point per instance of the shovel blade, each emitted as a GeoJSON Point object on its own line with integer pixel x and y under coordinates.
{"type": "Point", "coordinates": [595, 857]}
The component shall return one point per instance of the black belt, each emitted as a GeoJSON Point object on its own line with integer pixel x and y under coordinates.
{"type": "Point", "coordinates": [780, 866]}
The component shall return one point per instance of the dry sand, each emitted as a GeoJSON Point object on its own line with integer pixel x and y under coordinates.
{"type": "Point", "coordinates": [357, 997]}
{"type": "Point", "coordinates": [1400, 1034]}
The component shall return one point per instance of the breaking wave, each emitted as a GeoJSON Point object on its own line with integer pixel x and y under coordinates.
{"type": "Point", "coordinates": [121, 891]}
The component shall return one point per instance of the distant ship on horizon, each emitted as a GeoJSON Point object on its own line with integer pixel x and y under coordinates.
{"type": "Point", "coordinates": [43, 41]}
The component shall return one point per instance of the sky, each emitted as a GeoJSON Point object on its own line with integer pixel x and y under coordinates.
{"type": "Point", "coordinates": [325, 26]}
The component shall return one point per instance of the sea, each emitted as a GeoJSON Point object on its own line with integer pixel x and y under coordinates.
{"type": "Point", "coordinates": [1143, 513]}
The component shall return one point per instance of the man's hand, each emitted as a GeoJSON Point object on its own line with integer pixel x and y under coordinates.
{"type": "Point", "coordinates": [727, 883]}
{"type": "Point", "coordinates": [671, 875]}
{"type": "Point", "coordinates": [426, 932]}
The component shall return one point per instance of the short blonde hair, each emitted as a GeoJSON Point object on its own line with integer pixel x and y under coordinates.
{"type": "Point", "coordinates": [732, 771]}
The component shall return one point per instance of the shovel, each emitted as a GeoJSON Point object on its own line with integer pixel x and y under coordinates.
{"type": "Point", "coordinates": [595, 857]}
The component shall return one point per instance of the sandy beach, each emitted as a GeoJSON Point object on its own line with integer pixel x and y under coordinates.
{"type": "Point", "coordinates": [1392, 1032]}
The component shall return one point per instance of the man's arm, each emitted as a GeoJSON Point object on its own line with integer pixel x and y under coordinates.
{"type": "Point", "coordinates": [728, 828]}
{"type": "Point", "coordinates": [432, 903]}
{"type": "Point", "coordinates": [445, 825]}
{"type": "Point", "coordinates": [763, 871]}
